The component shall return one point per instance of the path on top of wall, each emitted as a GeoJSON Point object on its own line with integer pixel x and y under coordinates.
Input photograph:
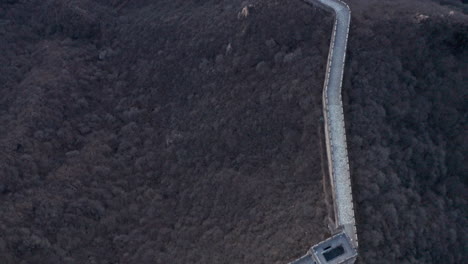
{"type": "Point", "coordinates": [335, 133]}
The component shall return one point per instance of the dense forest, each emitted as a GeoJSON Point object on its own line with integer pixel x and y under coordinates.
{"type": "Point", "coordinates": [406, 118]}
{"type": "Point", "coordinates": [178, 131]}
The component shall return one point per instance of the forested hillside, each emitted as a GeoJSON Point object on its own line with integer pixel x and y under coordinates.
{"type": "Point", "coordinates": [405, 86]}
{"type": "Point", "coordinates": [191, 131]}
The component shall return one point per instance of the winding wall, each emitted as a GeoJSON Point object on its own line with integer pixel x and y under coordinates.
{"type": "Point", "coordinates": [335, 133]}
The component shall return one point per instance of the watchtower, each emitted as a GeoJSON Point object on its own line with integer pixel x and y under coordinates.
{"type": "Point", "coordinates": [335, 250]}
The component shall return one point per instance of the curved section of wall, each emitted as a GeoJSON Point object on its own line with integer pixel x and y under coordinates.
{"type": "Point", "coordinates": [334, 119]}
